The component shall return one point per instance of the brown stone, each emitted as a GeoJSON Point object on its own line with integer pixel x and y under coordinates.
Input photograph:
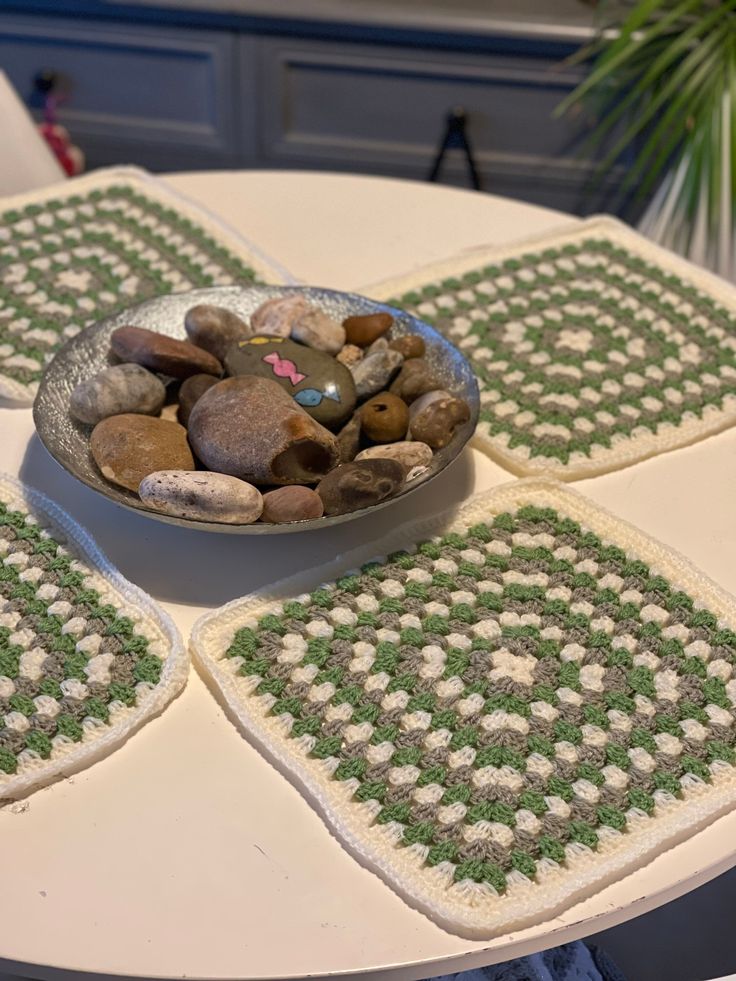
{"type": "Point", "coordinates": [353, 486]}
{"type": "Point", "coordinates": [410, 345]}
{"type": "Point", "coordinates": [364, 330]}
{"type": "Point", "coordinates": [435, 417]}
{"type": "Point", "coordinates": [384, 418]}
{"type": "Point", "coordinates": [348, 439]}
{"type": "Point", "coordinates": [214, 329]}
{"type": "Point", "coordinates": [251, 428]}
{"type": "Point", "coordinates": [157, 352]}
{"type": "Point", "coordinates": [294, 503]}
{"type": "Point", "coordinates": [192, 389]}
{"type": "Point", "coordinates": [414, 379]}
{"type": "Point", "coordinates": [128, 447]}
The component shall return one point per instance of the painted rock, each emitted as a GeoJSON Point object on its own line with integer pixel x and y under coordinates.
{"type": "Point", "coordinates": [128, 447]}
{"type": "Point", "coordinates": [202, 496]}
{"type": "Point", "coordinates": [214, 329]}
{"type": "Point", "coordinates": [157, 352]}
{"type": "Point", "coordinates": [350, 355]}
{"type": "Point", "coordinates": [122, 388]}
{"type": "Point", "coordinates": [293, 503]}
{"type": "Point", "coordinates": [348, 439]}
{"type": "Point", "coordinates": [276, 317]}
{"type": "Point", "coordinates": [317, 383]}
{"type": "Point", "coordinates": [365, 329]}
{"type": "Point", "coordinates": [434, 417]}
{"type": "Point", "coordinates": [315, 329]}
{"type": "Point", "coordinates": [415, 378]}
{"type": "Point", "coordinates": [250, 428]}
{"type": "Point", "coordinates": [384, 418]}
{"type": "Point", "coordinates": [410, 345]}
{"type": "Point", "coordinates": [410, 453]}
{"type": "Point", "coordinates": [352, 486]}
{"type": "Point", "coordinates": [374, 372]}
{"type": "Point", "coordinates": [191, 390]}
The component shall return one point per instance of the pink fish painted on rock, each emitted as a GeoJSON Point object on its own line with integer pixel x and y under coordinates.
{"type": "Point", "coordinates": [283, 368]}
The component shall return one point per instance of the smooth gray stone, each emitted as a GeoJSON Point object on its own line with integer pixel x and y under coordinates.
{"type": "Point", "coordinates": [115, 391]}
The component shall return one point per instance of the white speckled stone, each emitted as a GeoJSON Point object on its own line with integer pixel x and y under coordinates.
{"type": "Point", "coordinates": [202, 496]}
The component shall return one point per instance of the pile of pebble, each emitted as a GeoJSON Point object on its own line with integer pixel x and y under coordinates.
{"type": "Point", "coordinates": [313, 417]}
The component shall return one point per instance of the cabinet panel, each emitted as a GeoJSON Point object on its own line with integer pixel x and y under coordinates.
{"type": "Point", "coordinates": [382, 110]}
{"type": "Point", "coordinates": [139, 88]}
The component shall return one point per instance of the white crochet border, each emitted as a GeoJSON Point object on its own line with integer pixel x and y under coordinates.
{"type": "Point", "coordinates": [156, 625]}
{"type": "Point", "coordinates": [466, 908]}
{"type": "Point", "coordinates": [629, 449]}
{"type": "Point", "coordinates": [268, 269]}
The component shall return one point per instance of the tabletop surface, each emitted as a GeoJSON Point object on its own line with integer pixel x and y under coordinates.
{"type": "Point", "coordinates": [185, 854]}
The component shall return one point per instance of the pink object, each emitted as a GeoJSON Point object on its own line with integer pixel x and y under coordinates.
{"type": "Point", "coordinates": [283, 368]}
{"type": "Point", "coordinates": [69, 156]}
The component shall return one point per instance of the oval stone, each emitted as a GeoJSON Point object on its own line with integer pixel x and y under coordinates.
{"type": "Point", "coordinates": [251, 428]}
{"type": "Point", "coordinates": [117, 390]}
{"type": "Point", "coordinates": [410, 453]}
{"type": "Point", "coordinates": [277, 316]}
{"type": "Point", "coordinates": [410, 345]}
{"type": "Point", "coordinates": [315, 329]}
{"type": "Point", "coordinates": [214, 329]}
{"type": "Point", "coordinates": [356, 485]}
{"type": "Point", "coordinates": [157, 352]}
{"type": "Point", "coordinates": [202, 496]}
{"type": "Point", "coordinates": [191, 391]}
{"type": "Point", "coordinates": [435, 416]}
{"type": "Point", "coordinates": [415, 379]}
{"type": "Point", "coordinates": [364, 329]}
{"type": "Point", "coordinates": [384, 418]}
{"type": "Point", "coordinates": [318, 383]}
{"type": "Point", "coordinates": [127, 448]}
{"type": "Point", "coordinates": [293, 503]}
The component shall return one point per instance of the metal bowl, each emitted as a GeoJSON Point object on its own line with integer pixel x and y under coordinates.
{"type": "Point", "coordinates": [89, 352]}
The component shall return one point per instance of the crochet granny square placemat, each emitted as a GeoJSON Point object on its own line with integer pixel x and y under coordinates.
{"type": "Point", "coordinates": [593, 347]}
{"type": "Point", "coordinates": [80, 250]}
{"type": "Point", "coordinates": [85, 656]}
{"type": "Point", "coordinates": [504, 712]}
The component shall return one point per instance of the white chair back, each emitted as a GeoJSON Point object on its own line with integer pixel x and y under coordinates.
{"type": "Point", "coordinates": [26, 162]}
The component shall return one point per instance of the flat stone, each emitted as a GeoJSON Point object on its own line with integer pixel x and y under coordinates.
{"type": "Point", "coordinates": [315, 329]}
{"type": "Point", "coordinates": [157, 352]}
{"type": "Point", "coordinates": [293, 503]}
{"type": "Point", "coordinates": [113, 391]}
{"type": "Point", "coordinates": [128, 447]}
{"type": "Point", "coordinates": [250, 428]}
{"type": "Point", "coordinates": [380, 344]}
{"type": "Point", "coordinates": [202, 496]}
{"type": "Point", "coordinates": [410, 453]}
{"type": "Point", "coordinates": [353, 486]}
{"type": "Point", "coordinates": [366, 328]}
{"type": "Point", "coordinates": [317, 382]}
{"type": "Point", "coordinates": [277, 317]}
{"type": "Point", "coordinates": [416, 378]}
{"type": "Point", "coordinates": [435, 416]}
{"type": "Point", "coordinates": [214, 329]}
{"type": "Point", "coordinates": [384, 418]}
{"type": "Point", "coordinates": [374, 372]}
{"type": "Point", "coordinates": [192, 389]}
{"type": "Point", "coordinates": [410, 345]}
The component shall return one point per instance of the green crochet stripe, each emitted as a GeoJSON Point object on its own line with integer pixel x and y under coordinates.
{"type": "Point", "coordinates": [33, 240]}
{"type": "Point", "coordinates": [504, 694]}
{"type": "Point", "coordinates": [571, 326]}
{"type": "Point", "coordinates": [37, 705]}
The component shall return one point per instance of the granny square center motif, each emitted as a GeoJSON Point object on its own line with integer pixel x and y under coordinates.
{"type": "Point", "coordinates": [593, 348]}
{"type": "Point", "coordinates": [501, 717]}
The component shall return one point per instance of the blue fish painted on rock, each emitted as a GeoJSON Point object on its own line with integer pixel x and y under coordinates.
{"type": "Point", "coordinates": [312, 396]}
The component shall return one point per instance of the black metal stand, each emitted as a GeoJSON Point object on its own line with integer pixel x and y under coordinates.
{"type": "Point", "coordinates": [456, 137]}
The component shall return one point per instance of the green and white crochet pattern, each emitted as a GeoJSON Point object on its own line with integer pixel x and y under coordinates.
{"type": "Point", "coordinates": [85, 657]}
{"type": "Point", "coordinates": [78, 251]}
{"type": "Point", "coordinates": [593, 348]}
{"type": "Point", "coordinates": [506, 711]}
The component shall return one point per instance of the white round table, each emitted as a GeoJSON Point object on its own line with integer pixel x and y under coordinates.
{"type": "Point", "coordinates": [185, 854]}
